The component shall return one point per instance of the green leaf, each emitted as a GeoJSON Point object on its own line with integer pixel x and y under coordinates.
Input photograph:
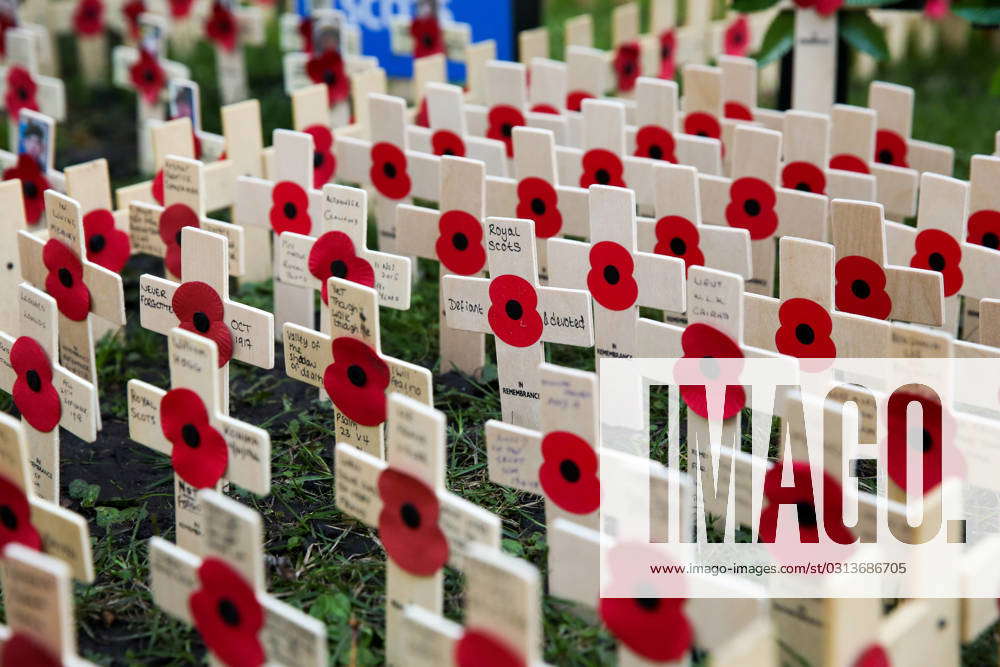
{"type": "Point", "coordinates": [513, 546]}
{"type": "Point", "coordinates": [860, 31]}
{"type": "Point", "coordinates": [747, 6]}
{"type": "Point", "coordinates": [982, 12]}
{"type": "Point", "coordinates": [331, 608]}
{"type": "Point", "coordinates": [778, 39]}
{"type": "Point", "coordinates": [86, 493]}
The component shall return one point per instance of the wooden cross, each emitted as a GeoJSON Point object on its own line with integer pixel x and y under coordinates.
{"type": "Point", "coordinates": [626, 57]}
{"type": "Point", "coordinates": [105, 228]}
{"type": "Point", "coordinates": [421, 524]}
{"type": "Point", "coordinates": [579, 31]}
{"type": "Point", "coordinates": [208, 146]}
{"type": "Point", "coordinates": [477, 56]}
{"type": "Point", "coordinates": [348, 363]}
{"type": "Point", "coordinates": [230, 27]}
{"type": "Point", "coordinates": [502, 617]}
{"type": "Point", "coordinates": [47, 394]}
{"type": "Point", "coordinates": [429, 32]}
{"type": "Point", "coordinates": [33, 162]}
{"type": "Point", "coordinates": [222, 592]}
{"type": "Point", "coordinates": [752, 199]}
{"type": "Point", "coordinates": [14, 221]}
{"type": "Point", "coordinates": [189, 424]}
{"type": "Point", "coordinates": [806, 154]}
{"type": "Point", "coordinates": [506, 107]}
{"type": "Point", "coordinates": [454, 238]}
{"type": "Point", "coordinates": [547, 81]}
{"type": "Point", "coordinates": [520, 314]}
{"type": "Point", "coordinates": [426, 70]}
{"type": "Point", "coordinates": [22, 83]}
{"type": "Point", "coordinates": [618, 276]}
{"type": "Point", "coordinates": [814, 60]}
{"type": "Point", "coordinates": [982, 227]}
{"type": "Point", "coordinates": [587, 77]}
{"type": "Point", "coordinates": [87, 22]}
{"type": "Point", "coordinates": [659, 45]}
{"type": "Point", "coordinates": [702, 104]}
{"type": "Point", "coordinates": [893, 143]}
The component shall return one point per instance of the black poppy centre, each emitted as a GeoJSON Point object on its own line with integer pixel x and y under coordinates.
{"type": "Point", "coordinates": [991, 240]}
{"type": "Point", "coordinates": [885, 156]}
{"type": "Point", "coordinates": [428, 41]}
{"type": "Point", "coordinates": [357, 375]}
{"type": "Point", "coordinates": [329, 77]}
{"type": "Point", "coordinates": [65, 277]}
{"type": "Point", "coordinates": [655, 152]}
{"type": "Point", "coordinates": [229, 613]}
{"type": "Point", "coordinates": [514, 309]}
{"type": "Point", "coordinates": [22, 93]}
{"type": "Point", "coordinates": [936, 261]}
{"type": "Point", "coordinates": [648, 604]}
{"type": "Point", "coordinates": [538, 206]}
{"type": "Point", "coordinates": [318, 159]}
{"type": "Point", "coordinates": [191, 436]}
{"type": "Point", "coordinates": [34, 380]}
{"type": "Point", "coordinates": [602, 176]}
{"type": "Point", "coordinates": [861, 289]}
{"type": "Point", "coordinates": [803, 186]}
{"type": "Point", "coordinates": [8, 518]}
{"type": "Point", "coordinates": [569, 470]}
{"type": "Point", "coordinates": [389, 169]}
{"type": "Point", "coordinates": [507, 129]}
{"type": "Point", "coordinates": [338, 268]}
{"type": "Point", "coordinates": [410, 515]}
{"type": "Point", "coordinates": [751, 207]}
{"type": "Point", "coordinates": [807, 514]}
{"type": "Point", "coordinates": [460, 241]}
{"type": "Point", "coordinates": [665, 52]}
{"type": "Point", "coordinates": [290, 210]}
{"type": "Point", "coordinates": [678, 246]}
{"type": "Point", "coordinates": [805, 334]}
{"type": "Point", "coordinates": [927, 443]}
{"type": "Point", "coordinates": [96, 243]}
{"type": "Point", "coordinates": [149, 76]}
{"type": "Point", "coordinates": [201, 322]}
{"type": "Point", "coordinates": [611, 274]}
{"type": "Point", "coordinates": [30, 189]}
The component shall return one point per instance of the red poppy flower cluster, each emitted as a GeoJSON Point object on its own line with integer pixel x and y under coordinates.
{"type": "Point", "coordinates": [601, 167]}
{"type": "Point", "coordinates": [873, 656]}
{"type": "Point", "coordinates": [656, 143]}
{"type": "Point", "coordinates": [459, 246]}
{"type": "Point", "coordinates": [751, 207]}
{"type": "Point", "coordinates": [705, 343]}
{"type": "Point", "coordinates": [610, 279]}
{"type": "Point", "coordinates": [939, 251]}
{"type": "Point", "coordinates": [131, 11]}
{"type": "Point", "coordinates": [427, 36]}
{"type": "Point", "coordinates": [445, 142]}
{"type": "Point", "coordinates": [324, 161]}
{"type": "Point", "coordinates": [388, 172]}
{"type": "Point", "coordinates": [702, 124]}
{"type": "Point", "coordinates": [34, 394]}
{"type": "Point", "coordinates": [33, 186]}
{"type": "Point", "coordinates": [64, 280]}
{"type": "Point", "coordinates": [180, 8]}
{"type": "Point", "coordinates": [408, 523]}
{"type": "Point", "coordinates": [173, 219]}
{"type": "Point", "coordinates": [804, 331]}
{"type": "Point", "coordinates": [937, 443]}
{"type": "Point", "coordinates": [221, 26]}
{"type": "Point", "coordinates": [737, 38]}
{"type": "Point", "coordinates": [200, 310]}
{"type": "Point", "coordinates": [333, 256]}
{"type": "Point", "coordinates": [568, 473]}
{"type": "Point", "coordinates": [478, 648]}
{"type": "Point", "coordinates": [984, 229]}
{"type": "Point", "coordinates": [668, 54]}
{"type": "Point", "coordinates": [937, 9]}
{"type": "Point", "coordinates": [106, 245]}
{"type": "Point", "coordinates": [228, 615]}
{"type": "Point", "coordinates": [676, 236]}
{"type": "Point", "coordinates": [15, 522]}
{"type": "Point", "coordinates": [860, 287]}
{"type": "Point", "coordinates": [290, 209]}
{"type": "Point", "coordinates": [628, 66]}
{"type": "Point", "coordinates": [88, 17]}
{"type": "Point", "coordinates": [21, 92]}
{"type": "Point", "coordinates": [801, 495]}
{"type": "Point", "coordinates": [737, 111]}
{"type": "Point", "coordinates": [147, 76]}
{"type": "Point", "coordinates": [803, 176]}
{"type": "Point", "coordinates": [356, 381]}
{"type": "Point", "coordinates": [200, 454]}
{"type": "Point", "coordinates": [574, 100]}
{"type": "Point", "coordinates": [537, 200]}
{"type": "Point", "coordinates": [513, 313]}
{"type": "Point", "coordinates": [848, 162]}
{"type": "Point", "coordinates": [328, 68]}
{"type": "Point", "coordinates": [501, 121]}
{"type": "Point", "coordinates": [823, 7]}
{"type": "Point", "coordinates": [890, 148]}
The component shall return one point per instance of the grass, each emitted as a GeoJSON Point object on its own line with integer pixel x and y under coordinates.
{"type": "Point", "coordinates": [317, 559]}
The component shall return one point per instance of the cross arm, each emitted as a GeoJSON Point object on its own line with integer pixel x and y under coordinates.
{"type": "Point", "coordinates": [662, 281]}
{"type": "Point", "coordinates": [65, 535]}
{"type": "Point", "coordinates": [658, 339]}
{"type": "Point", "coordinates": [464, 523]}
{"type": "Point", "coordinates": [514, 455]}
{"type": "Point", "coordinates": [353, 159]}
{"type": "Point", "coordinates": [173, 577]}
{"type": "Point", "coordinates": [802, 214]}
{"type": "Point", "coordinates": [577, 551]}
{"type": "Point", "coordinates": [291, 637]}
{"type": "Point", "coordinates": [917, 295]}
{"type": "Point", "coordinates": [356, 483]}
{"type": "Point", "coordinates": [896, 188]}
{"type": "Point", "coordinates": [144, 416]}
{"type": "Point", "coordinates": [467, 304]}
{"type": "Point", "coordinates": [417, 230]}
{"type": "Point", "coordinates": [410, 380]}
{"type": "Point", "coordinates": [567, 316]}
{"type": "Point", "coordinates": [979, 270]}
{"type": "Point", "coordinates": [7, 374]}
{"type": "Point", "coordinates": [979, 573]}
{"type": "Point", "coordinates": [429, 639]}
{"type": "Point", "coordinates": [78, 399]}
{"type": "Point", "coordinates": [307, 354]}
{"type": "Point", "coordinates": [574, 205]}
{"type": "Point", "coordinates": [568, 263]}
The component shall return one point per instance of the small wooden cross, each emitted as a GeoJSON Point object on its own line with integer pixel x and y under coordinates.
{"type": "Point", "coordinates": [702, 105]}
{"type": "Point", "coordinates": [426, 70]}
{"type": "Point", "coordinates": [618, 276]}
{"type": "Point", "coordinates": [806, 154]}
{"type": "Point", "coordinates": [983, 225]}
{"type": "Point", "coordinates": [47, 394]}
{"type": "Point", "coordinates": [814, 60]}
{"type": "Point", "coordinates": [893, 142]}
{"type": "Point", "coordinates": [33, 162]}
{"type": "Point", "coordinates": [477, 56]}
{"type": "Point", "coordinates": [429, 32]}
{"type": "Point", "coordinates": [230, 27]}
{"type": "Point", "coordinates": [586, 77]}
{"type": "Point", "coordinates": [659, 45]}
{"type": "Point", "coordinates": [105, 228]}
{"type": "Point", "coordinates": [626, 52]}
{"type": "Point", "coordinates": [520, 313]}
{"type": "Point", "coordinates": [187, 422]}
{"type": "Point", "coordinates": [532, 43]}
{"type": "Point", "coordinates": [21, 80]}
{"type": "Point", "coordinates": [547, 80]}
{"type": "Point", "coordinates": [87, 22]}
{"type": "Point", "coordinates": [505, 107]}
{"type": "Point", "coordinates": [12, 202]}
{"type": "Point", "coordinates": [579, 31]}
{"type": "Point", "coordinates": [421, 524]}
{"type": "Point", "coordinates": [222, 592]}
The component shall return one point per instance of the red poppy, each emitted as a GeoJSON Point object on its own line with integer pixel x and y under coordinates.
{"type": "Point", "coordinates": [702, 124]}
{"type": "Point", "coordinates": [64, 281]}
{"type": "Point", "coordinates": [545, 108]}
{"type": "Point", "coordinates": [200, 310]}
{"type": "Point", "coordinates": [422, 119]}
{"type": "Point", "coordinates": [328, 68]}
{"type": "Point", "coordinates": [656, 143]}
{"type": "Point", "coordinates": [158, 187]}
{"type": "Point", "coordinates": [306, 33]}
{"type": "Point", "coordinates": [460, 244]}
{"type": "Point", "coordinates": [939, 251]}
{"type": "Point", "coordinates": [408, 523]}
{"type": "Point", "coordinates": [21, 649]}
{"type": "Point", "coordinates": [937, 9]}
{"type": "Point", "coordinates": [357, 380]}
{"type": "Point", "coordinates": [737, 39]}
{"type": "Point", "coordinates": [823, 7]}
{"type": "Point", "coordinates": [131, 11]}
{"type": "Point", "coordinates": [221, 26]}
{"type": "Point", "coordinates": [147, 76]}
{"type": "Point", "coordinates": [568, 473]}
{"type": "Point", "coordinates": [751, 207]}
{"type": "Point", "coordinates": [333, 255]}
{"type": "Point", "coordinates": [502, 120]}
{"type": "Point", "coordinates": [228, 615]}
{"type": "Point", "coordinates": [427, 36]}
{"type": "Point", "coordinates": [21, 91]}
{"type": "Point", "coordinates": [388, 172]}
{"type": "Point", "coordinates": [804, 176]}
{"type": "Point", "coordinates": [478, 648]}
{"type": "Point", "coordinates": [290, 209]}
{"type": "Point", "coordinates": [676, 236]}
{"type": "Point", "coordinates": [602, 167]}
{"type": "Point", "coordinates": [88, 17]}
{"type": "Point", "coordinates": [984, 229]}
{"type": "Point", "coordinates": [801, 495]}
{"type": "Point", "coordinates": [33, 186]}
{"type": "Point", "coordinates": [34, 394]}
{"type": "Point", "coordinates": [610, 279]}
{"type": "Point", "coordinates": [173, 219]}
{"type": "Point", "coordinates": [702, 341]}
{"type": "Point", "coordinates": [668, 60]}
{"type": "Point", "coordinates": [324, 161]}
{"type": "Point", "coordinates": [537, 200]}
{"type": "Point", "coordinates": [627, 65]}
{"type": "Point", "coordinates": [15, 526]}
{"type": "Point", "coordinates": [737, 111]}
{"type": "Point", "coordinates": [106, 245]}
{"type": "Point", "coordinates": [513, 314]}
{"type": "Point", "coordinates": [180, 8]}
{"type": "Point", "coordinates": [848, 162]}
{"type": "Point", "coordinates": [445, 142]}
{"type": "Point", "coordinates": [890, 148]}
{"type": "Point", "coordinates": [200, 454]}
{"type": "Point", "coordinates": [873, 656]}
{"type": "Point", "coordinates": [575, 99]}
{"type": "Point", "coordinates": [938, 431]}
{"type": "Point", "coordinates": [804, 330]}
{"type": "Point", "coordinates": [860, 287]}
{"type": "Point", "coordinates": [7, 20]}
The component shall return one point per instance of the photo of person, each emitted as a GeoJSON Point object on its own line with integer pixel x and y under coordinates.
{"type": "Point", "coordinates": [151, 39]}
{"type": "Point", "coordinates": [427, 8]}
{"type": "Point", "coordinates": [326, 32]}
{"type": "Point", "coordinates": [183, 95]}
{"type": "Point", "coordinates": [33, 140]}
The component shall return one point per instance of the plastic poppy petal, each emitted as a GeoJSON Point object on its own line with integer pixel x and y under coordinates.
{"type": "Point", "coordinates": [290, 209]}
{"type": "Point", "coordinates": [459, 246]}
{"type": "Point", "coordinates": [357, 380]}
{"type": "Point", "coordinates": [64, 281]}
{"type": "Point", "coordinates": [20, 649]}
{"type": "Point", "coordinates": [610, 278]}
{"type": "Point", "coordinates": [601, 167]}
{"type": "Point", "coordinates": [478, 648]}
{"type": "Point", "coordinates": [444, 142]}
{"type": "Point", "coordinates": [568, 473]}
{"type": "Point", "coordinates": [106, 245]}
{"type": "Point", "coordinates": [388, 171]}
{"type": "Point", "coordinates": [654, 628]}
{"type": "Point", "coordinates": [656, 143]}
{"type": "Point", "coordinates": [538, 201]}
{"type": "Point", "coordinates": [513, 316]}
{"type": "Point", "coordinates": [232, 638]}
{"type": "Point", "coordinates": [408, 524]}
